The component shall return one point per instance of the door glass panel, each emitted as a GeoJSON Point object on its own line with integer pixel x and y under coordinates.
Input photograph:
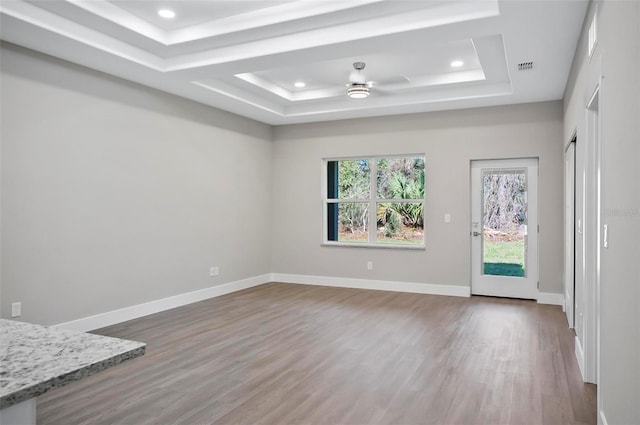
{"type": "Point", "coordinates": [504, 222]}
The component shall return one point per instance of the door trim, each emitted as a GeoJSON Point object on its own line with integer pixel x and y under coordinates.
{"type": "Point", "coordinates": [591, 216]}
{"type": "Point", "coordinates": [480, 285]}
{"type": "Point", "coordinates": [569, 280]}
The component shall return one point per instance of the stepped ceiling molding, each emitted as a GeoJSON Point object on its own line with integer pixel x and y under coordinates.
{"type": "Point", "coordinates": [289, 61]}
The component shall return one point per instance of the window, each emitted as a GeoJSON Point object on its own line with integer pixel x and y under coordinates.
{"type": "Point", "coordinates": [383, 193]}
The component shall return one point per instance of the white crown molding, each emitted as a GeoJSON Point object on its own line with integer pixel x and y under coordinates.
{"type": "Point", "coordinates": [393, 24]}
{"type": "Point", "coordinates": [246, 72]}
{"type": "Point", "coordinates": [48, 21]}
{"type": "Point", "coordinates": [263, 17]}
{"type": "Point", "coordinates": [241, 22]}
{"type": "Point", "coordinates": [113, 13]}
{"type": "Point", "coordinates": [339, 34]}
{"type": "Point", "coordinates": [264, 84]}
{"type": "Point", "coordinates": [435, 98]}
{"type": "Point", "coordinates": [234, 94]}
{"type": "Point", "coordinates": [417, 83]}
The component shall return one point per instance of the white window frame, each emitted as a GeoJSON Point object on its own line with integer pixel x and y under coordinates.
{"type": "Point", "coordinates": [372, 201]}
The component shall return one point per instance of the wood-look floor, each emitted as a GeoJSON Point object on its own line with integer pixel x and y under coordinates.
{"type": "Point", "coordinates": [294, 354]}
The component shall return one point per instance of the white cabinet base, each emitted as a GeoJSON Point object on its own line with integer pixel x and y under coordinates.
{"type": "Point", "coordinates": [19, 414]}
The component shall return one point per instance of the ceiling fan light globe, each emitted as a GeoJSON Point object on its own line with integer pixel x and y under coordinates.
{"type": "Point", "coordinates": [358, 91]}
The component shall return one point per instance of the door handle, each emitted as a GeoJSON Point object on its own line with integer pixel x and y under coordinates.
{"type": "Point", "coordinates": [476, 233]}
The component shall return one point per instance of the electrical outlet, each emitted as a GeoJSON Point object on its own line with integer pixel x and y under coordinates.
{"type": "Point", "coordinates": [447, 218]}
{"type": "Point", "coordinates": [370, 265]}
{"type": "Point", "coordinates": [214, 271]}
{"type": "Point", "coordinates": [16, 309]}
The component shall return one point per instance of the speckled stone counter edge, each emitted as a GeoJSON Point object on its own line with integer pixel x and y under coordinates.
{"type": "Point", "coordinates": [59, 381]}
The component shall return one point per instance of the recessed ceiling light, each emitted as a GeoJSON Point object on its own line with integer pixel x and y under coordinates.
{"type": "Point", "coordinates": [167, 13]}
{"type": "Point", "coordinates": [456, 64]}
{"type": "Point", "coordinates": [300, 84]}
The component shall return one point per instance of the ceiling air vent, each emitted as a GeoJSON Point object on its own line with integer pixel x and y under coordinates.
{"type": "Point", "coordinates": [525, 66]}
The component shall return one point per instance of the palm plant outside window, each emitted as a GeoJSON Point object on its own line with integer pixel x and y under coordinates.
{"type": "Point", "coordinates": [375, 201]}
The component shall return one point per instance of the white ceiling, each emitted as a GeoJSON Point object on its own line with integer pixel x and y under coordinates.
{"type": "Point", "coordinates": [244, 56]}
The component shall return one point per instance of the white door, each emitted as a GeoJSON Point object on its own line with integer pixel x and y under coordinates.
{"type": "Point", "coordinates": [504, 228]}
{"type": "Point", "coordinates": [569, 231]}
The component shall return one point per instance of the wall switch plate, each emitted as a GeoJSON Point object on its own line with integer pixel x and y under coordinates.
{"type": "Point", "coordinates": [214, 271]}
{"type": "Point", "coordinates": [369, 265]}
{"type": "Point", "coordinates": [16, 309]}
{"type": "Point", "coordinates": [447, 218]}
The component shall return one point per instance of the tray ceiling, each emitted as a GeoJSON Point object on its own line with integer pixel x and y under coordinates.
{"type": "Point", "coordinates": [289, 61]}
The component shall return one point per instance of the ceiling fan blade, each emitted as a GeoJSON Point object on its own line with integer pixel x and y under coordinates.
{"type": "Point", "coordinates": [393, 81]}
{"type": "Point", "coordinates": [381, 91]}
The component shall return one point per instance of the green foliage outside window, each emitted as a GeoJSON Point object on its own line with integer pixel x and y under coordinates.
{"type": "Point", "coordinates": [398, 189]}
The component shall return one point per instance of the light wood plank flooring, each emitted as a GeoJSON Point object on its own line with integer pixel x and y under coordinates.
{"type": "Point", "coordinates": [287, 354]}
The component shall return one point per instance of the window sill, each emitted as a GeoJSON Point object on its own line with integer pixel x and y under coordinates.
{"type": "Point", "coordinates": [375, 246]}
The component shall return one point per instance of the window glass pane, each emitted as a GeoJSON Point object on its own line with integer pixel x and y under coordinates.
{"type": "Point", "coordinates": [348, 179]}
{"type": "Point", "coordinates": [352, 220]}
{"type": "Point", "coordinates": [400, 178]}
{"type": "Point", "coordinates": [400, 223]}
{"type": "Point", "coordinates": [504, 223]}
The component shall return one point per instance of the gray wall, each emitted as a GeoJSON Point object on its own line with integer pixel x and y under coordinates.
{"type": "Point", "coordinates": [619, 49]}
{"type": "Point", "coordinates": [114, 194]}
{"type": "Point", "coordinates": [450, 141]}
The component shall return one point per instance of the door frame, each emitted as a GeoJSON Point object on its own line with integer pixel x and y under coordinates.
{"type": "Point", "coordinates": [478, 284]}
{"type": "Point", "coordinates": [569, 281]}
{"type": "Point", "coordinates": [593, 239]}
{"type": "Point", "coordinates": [587, 350]}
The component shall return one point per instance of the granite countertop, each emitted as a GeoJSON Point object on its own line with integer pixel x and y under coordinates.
{"type": "Point", "coordinates": [35, 359]}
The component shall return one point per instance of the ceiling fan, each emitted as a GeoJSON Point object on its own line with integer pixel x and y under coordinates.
{"type": "Point", "coordinates": [359, 87]}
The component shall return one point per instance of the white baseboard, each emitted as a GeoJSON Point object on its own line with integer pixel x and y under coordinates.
{"type": "Point", "coordinates": [580, 357]}
{"type": "Point", "coordinates": [603, 419]}
{"type": "Point", "coordinates": [133, 312]}
{"type": "Point", "coordinates": [549, 298]}
{"type": "Point", "coordinates": [380, 285]}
